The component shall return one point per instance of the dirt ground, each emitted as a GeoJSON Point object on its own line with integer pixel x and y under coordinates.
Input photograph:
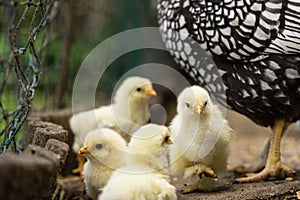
{"type": "Point", "coordinates": [246, 145]}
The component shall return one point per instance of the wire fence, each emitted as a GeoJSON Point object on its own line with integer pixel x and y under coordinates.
{"type": "Point", "coordinates": [25, 39]}
{"type": "Point", "coordinates": [53, 37]}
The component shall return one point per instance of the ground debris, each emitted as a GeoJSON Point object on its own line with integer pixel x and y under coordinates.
{"type": "Point", "coordinates": [71, 188]}
{"type": "Point", "coordinates": [259, 190]}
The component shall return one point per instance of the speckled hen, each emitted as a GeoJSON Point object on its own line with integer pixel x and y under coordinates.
{"type": "Point", "coordinates": [256, 49]}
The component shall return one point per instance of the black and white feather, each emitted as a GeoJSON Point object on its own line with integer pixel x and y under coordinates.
{"type": "Point", "coordinates": [255, 45]}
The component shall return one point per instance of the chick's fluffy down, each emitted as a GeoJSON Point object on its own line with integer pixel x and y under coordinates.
{"type": "Point", "coordinates": [149, 147]}
{"type": "Point", "coordinates": [201, 136]}
{"type": "Point", "coordinates": [105, 153]}
{"type": "Point", "coordinates": [125, 184]}
{"type": "Point", "coordinates": [145, 175]}
{"type": "Point", "coordinates": [125, 115]}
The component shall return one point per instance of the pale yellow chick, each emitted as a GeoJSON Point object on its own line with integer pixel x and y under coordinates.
{"type": "Point", "coordinates": [105, 151]}
{"type": "Point", "coordinates": [201, 136]}
{"type": "Point", "coordinates": [126, 114]}
{"type": "Point", "coordinates": [145, 175]}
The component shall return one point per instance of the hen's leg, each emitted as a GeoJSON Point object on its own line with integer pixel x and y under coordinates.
{"type": "Point", "coordinates": [274, 167]}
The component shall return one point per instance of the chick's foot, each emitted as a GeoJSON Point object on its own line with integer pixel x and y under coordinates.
{"type": "Point", "coordinates": [199, 170]}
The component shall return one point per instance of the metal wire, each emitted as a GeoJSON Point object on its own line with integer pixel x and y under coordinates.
{"type": "Point", "coordinates": [29, 20]}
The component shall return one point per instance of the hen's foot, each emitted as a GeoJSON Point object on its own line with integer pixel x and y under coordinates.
{"type": "Point", "coordinates": [280, 171]}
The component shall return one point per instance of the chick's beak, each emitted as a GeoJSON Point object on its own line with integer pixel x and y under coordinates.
{"type": "Point", "coordinates": [169, 141]}
{"type": "Point", "coordinates": [84, 150]}
{"type": "Point", "coordinates": [150, 92]}
{"type": "Point", "coordinates": [198, 109]}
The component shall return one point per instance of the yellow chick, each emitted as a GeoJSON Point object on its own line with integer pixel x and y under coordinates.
{"type": "Point", "coordinates": [105, 151]}
{"type": "Point", "coordinates": [125, 115]}
{"type": "Point", "coordinates": [201, 136]}
{"type": "Point", "coordinates": [144, 176]}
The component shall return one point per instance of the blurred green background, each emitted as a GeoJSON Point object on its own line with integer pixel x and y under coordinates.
{"type": "Point", "coordinates": [78, 27]}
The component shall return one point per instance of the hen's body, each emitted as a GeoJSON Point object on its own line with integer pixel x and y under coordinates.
{"type": "Point", "coordinates": [256, 48]}
{"type": "Point", "coordinates": [255, 45]}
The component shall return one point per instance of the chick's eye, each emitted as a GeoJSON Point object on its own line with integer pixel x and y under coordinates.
{"type": "Point", "coordinates": [188, 105]}
{"type": "Point", "coordinates": [99, 146]}
{"type": "Point", "coordinates": [167, 139]}
{"type": "Point", "coordinates": [138, 89]}
{"type": "Point", "coordinates": [205, 103]}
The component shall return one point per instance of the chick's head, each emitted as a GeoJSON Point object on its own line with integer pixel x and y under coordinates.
{"type": "Point", "coordinates": [194, 101]}
{"type": "Point", "coordinates": [148, 146]}
{"type": "Point", "coordinates": [149, 138]}
{"type": "Point", "coordinates": [135, 89]}
{"type": "Point", "coordinates": [104, 146]}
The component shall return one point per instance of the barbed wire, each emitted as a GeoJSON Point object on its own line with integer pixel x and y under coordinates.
{"type": "Point", "coordinates": [23, 61]}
